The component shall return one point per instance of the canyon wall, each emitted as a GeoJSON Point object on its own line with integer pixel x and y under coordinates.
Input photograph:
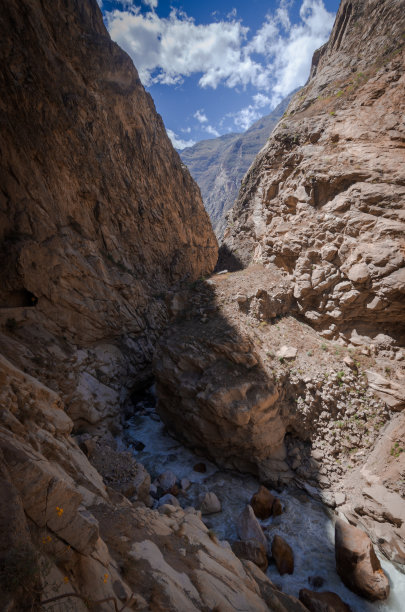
{"type": "Point", "coordinates": [324, 200]}
{"type": "Point", "coordinates": [99, 218]}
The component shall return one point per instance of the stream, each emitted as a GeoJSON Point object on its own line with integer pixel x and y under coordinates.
{"type": "Point", "coordinates": [305, 524]}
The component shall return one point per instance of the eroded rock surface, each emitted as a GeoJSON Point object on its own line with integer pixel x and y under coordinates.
{"type": "Point", "coordinates": [324, 199]}
{"type": "Point", "coordinates": [98, 216]}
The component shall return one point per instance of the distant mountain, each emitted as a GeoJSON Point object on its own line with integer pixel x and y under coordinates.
{"type": "Point", "coordinates": [219, 164]}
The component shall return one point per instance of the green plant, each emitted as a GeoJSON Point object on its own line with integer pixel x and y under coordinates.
{"type": "Point", "coordinates": [332, 113]}
{"type": "Point", "coordinates": [310, 353]}
{"type": "Point", "coordinates": [396, 450]}
{"type": "Point", "coordinates": [324, 346]}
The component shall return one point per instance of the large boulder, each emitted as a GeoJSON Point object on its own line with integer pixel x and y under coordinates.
{"type": "Point", "coordinates": [357, 564]}
{"type": "Point", "coordinates": [262, 503]}
{"type": "Point", "coordinates": [283, 555]}
{"type": "Point", "coordinates": [249, 528]}
{"type": "Point", "coordinates": [210, 504]}
{"type": "Point", "coordinates": [323, 602]}
{"type": "Point", "coordinates": [252, 550]}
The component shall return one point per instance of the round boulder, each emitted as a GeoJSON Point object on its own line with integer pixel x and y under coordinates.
{"type": "Point", "coordinates": [210, 504]}
{"type": "Point", "coordinates": [262, 503]}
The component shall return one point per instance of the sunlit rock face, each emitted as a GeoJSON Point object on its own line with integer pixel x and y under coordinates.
{"type": "Point", "coordinates": [98, 216]}
{"type": "Point", "coordinates": [324, 200]}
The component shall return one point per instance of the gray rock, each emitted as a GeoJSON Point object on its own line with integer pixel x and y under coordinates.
{"type": "Point", "coordinates": [168, 499]}
{"type": "Point", "coordinates": [248, 527]}
{"type": "Point", "coordinates": [210, 504]}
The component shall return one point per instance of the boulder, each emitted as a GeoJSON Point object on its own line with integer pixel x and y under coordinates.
{"type": "Point", "coordinates": [167, 480]}
{"type": "Point", "coordinates": [248, 527]}
{"type": "Point", "coordinates": [252, 550]}
{"type": "Point", "coordinates": [262, 503]}
{"type": "Point", "coordinates": [287, 352]}
{"type": "Point", "coordinates": [283, 555]}
{"type": "Point", "coordinates": [322, 602]}
{"type": "Point", "coordinates": [357, 563]}
{"type": "Point", "coordinates": [168, 499]}
{"type": "Point", "coordinates": [210, 504]}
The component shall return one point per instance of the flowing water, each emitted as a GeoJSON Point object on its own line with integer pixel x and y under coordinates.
{"type": "Point", "coordinates": [305, 524]}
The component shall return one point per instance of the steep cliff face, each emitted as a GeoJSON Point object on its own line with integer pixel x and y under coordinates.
{"type": "Point", "coordinates": [98, 216]}
{"type": "Point", "coordinates": [219, 164]}
{"type": "Point", "coordinates": [324, 200]}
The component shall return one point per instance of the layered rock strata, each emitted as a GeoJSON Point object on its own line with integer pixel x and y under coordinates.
{"type": "Point", "coordinates": [98, 216]}
{"type": "Point", "coordinates": [324, 200]}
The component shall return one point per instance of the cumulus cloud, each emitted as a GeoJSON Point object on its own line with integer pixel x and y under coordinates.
{"type": "Point", "coordinates": [151, 3]}
{"type": "Point", "coordinates": [200, 116]}
{"type": "Point", "coordinates": [211, 130]}
{"type": "Point", "coordinates": [244, 118]}
{"type": "Point", "coordinates": [276, 58]}
{"type": "Point", "coordinates": [177, 142]}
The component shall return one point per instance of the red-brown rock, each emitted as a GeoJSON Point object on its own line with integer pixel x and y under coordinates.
{"type": "Point", "coordinates": [252, 550]}
{"type": "Point", "coordinates": [262, 503]}
{"type": "Point", "coordinates": [323, 602]}
{"type": "Point", "coordinates": [357, 563]}
{"type": "Point", "coordinates": [283, 555]}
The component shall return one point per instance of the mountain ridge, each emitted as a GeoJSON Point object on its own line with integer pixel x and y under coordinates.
{"type": "Point", "coordinates": [219, 164]}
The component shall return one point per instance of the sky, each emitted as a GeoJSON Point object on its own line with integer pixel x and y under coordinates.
{"type": "Point", "coordinates": [216, 67]}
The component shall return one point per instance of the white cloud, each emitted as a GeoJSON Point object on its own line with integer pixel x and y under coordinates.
{"type": "Point", "coordinates": [186, 130]}
{"type": "Point", "coordinates": [244, 118]}
{"type": "Point", "coordinates": [200, 116]}
{"type": "Point", "coordinates": [177, 142]}
{"type": "Point", "coordinates": [151, 3]}
{"type": "Point", "coordinates": [211, 130]}
{"type": "Point", "coordinates": [276, 59]}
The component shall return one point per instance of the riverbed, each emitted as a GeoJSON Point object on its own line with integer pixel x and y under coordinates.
{"type": "Point", "coordinates": [305, 524]}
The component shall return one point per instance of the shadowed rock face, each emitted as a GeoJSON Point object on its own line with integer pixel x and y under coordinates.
{"type": "Point", "coordinates": [219, 164]}
{"type": "Point", "coordinates": [98, 216]}
{"type": "Point", "coordinates": [324, 199]}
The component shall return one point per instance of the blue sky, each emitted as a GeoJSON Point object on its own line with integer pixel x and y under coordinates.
{"type": "Point", "coordinates": [216, 67]}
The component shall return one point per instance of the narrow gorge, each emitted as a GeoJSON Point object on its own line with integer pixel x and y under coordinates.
{"type": "Point", "coordinates": [174, 438]}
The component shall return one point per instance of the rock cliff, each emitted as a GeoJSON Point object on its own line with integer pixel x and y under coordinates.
{"type": "Point", "coordinates": [99, 219]}
{"type": "Point", "coordinates": [324, 200]}
{"type": "Point", "coordinates": [293, 366]}
{"type": "Point", "coordinates": [219, 164]}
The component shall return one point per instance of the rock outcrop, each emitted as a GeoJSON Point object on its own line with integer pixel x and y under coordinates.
{"type": "Point", "coordinates": [219, 164]}
{"type": "Point", "coordinates": [65, 532]}
{"type": "Point", "coordinates": [357, 564]}
{"type": "Point", "coordinates": [99, 218]}
{"type": "Point", "coordinates": [324, 199]}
